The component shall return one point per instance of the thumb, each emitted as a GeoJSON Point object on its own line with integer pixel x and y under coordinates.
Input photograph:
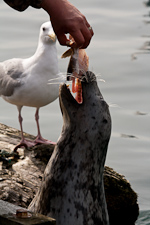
{"type": "Point", "coordinates": [63, 40]}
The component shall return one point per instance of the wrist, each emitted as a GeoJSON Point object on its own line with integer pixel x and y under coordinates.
{"type": "Point", "coordinates": [51, 5]}
{"type": "Point", "coordinates": [56, 8]}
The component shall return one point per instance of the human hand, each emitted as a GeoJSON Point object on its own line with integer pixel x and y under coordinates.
{"type": "Point", "coordinates": [66, 18]}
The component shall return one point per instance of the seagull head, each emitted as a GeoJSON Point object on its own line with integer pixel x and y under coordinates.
{"type": "Point", "coordinates": [47, 34]}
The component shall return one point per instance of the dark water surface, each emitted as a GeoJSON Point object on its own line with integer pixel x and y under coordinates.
{"type": "Point", "coordinates": [120, 54]}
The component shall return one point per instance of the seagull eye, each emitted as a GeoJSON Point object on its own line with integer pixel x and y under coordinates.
{"type": "Point", "coordinates": [44, 28]}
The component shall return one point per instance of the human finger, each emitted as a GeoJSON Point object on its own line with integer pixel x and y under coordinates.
{"type": "Point", "coordinates": [78, 38]}
{"type": "Point", "coordinates": [87, 33]}
{"type": "Point", "coordinates": [63, 40]}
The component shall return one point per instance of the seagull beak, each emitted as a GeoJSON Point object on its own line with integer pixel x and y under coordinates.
{"type": "Point", "coordinates": [52, 37]}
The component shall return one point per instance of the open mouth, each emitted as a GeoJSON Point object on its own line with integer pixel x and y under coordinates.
{"type": "Point", "coordinates": [78, 66]}
{"type": "Point", "coordinates": [77, 89]}
{"type": "Point", "coordinates": [72, 91]}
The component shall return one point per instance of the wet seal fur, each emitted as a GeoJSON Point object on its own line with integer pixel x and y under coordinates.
{"type": "Point", "coordinates": [72, 189]}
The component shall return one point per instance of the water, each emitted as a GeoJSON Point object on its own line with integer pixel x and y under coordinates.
{"type": "Point", "coordinates": [119, 52]}
{"type": "Point", "coordinates": [144, 218]}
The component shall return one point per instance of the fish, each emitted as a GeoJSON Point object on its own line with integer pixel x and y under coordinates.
{"type": "Point", "coordinates": [78, 66]}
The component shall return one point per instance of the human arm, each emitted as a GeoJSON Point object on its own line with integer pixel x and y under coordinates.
{"type": "Point", "coordinates": [65, 18]}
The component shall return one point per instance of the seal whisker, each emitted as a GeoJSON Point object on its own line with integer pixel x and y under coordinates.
{"type": "Point", "coordinates": [101, 80]}
{"type": "Point", "coordinates": [114, 105]}
{"type": "Point", "coordinates": [61, 78]}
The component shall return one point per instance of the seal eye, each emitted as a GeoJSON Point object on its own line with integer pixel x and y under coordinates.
{"type": "Point", "coordinates": [44, 29]}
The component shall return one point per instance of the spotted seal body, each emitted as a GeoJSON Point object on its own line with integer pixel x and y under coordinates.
{"type": "Point", "coordinates": [72, 189]}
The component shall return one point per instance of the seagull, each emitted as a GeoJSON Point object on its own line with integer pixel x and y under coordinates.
{"type": "Point", "coordinates": [24, 82]}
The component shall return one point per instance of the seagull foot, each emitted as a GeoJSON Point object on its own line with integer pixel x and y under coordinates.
{"type": "Point", "coordinates": [40, 140]}
{"type": "Point", "coordinates": [28, 144]}
{"type": "Point", "coordinates": [25, 143]}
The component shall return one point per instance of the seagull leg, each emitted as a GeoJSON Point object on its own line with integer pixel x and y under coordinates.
{"type": "Point", "coordinates": [20, 122]}
{"type": "Point", "coordinates": [23, 143]}
{"type": "Point", "coordinates": [39, 139]}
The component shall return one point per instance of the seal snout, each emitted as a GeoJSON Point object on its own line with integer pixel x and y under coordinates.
{"type": "Point", "coordinates": [88, 83]}
{"type": "Point", "coordinates": [88, 77]}
{"type": "Point", "coordinates": [65, 93]}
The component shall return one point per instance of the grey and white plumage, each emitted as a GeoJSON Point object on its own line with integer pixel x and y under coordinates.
{"type": "Point", "coordinates": [24, 82]}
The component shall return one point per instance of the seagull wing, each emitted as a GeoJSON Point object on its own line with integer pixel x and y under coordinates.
{"type": "Point", "coordinates": [10, 73]}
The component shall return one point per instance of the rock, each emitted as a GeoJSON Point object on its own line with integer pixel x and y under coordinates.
{"type": "Point", "coordinates": [24, 190]}
{"type": "Point", "coordinates": [121, 199]}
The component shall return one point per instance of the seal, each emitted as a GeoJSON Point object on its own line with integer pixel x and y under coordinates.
{"type": "Point", "coordinates": [72, 189]}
